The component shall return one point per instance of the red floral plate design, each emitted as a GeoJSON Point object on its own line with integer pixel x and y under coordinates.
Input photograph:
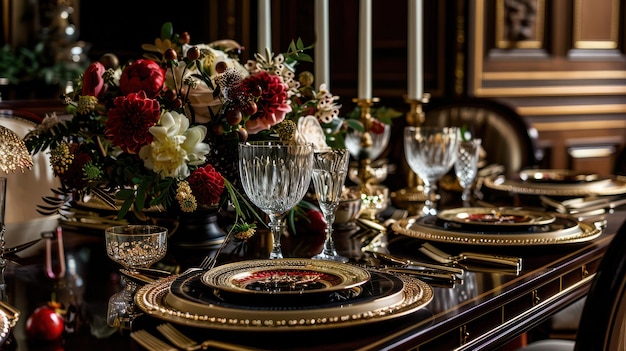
{"type": "Point", "coordinates": [493, 218]}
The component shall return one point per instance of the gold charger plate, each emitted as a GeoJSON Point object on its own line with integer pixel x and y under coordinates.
{"type": "Point", "coordinates": [406, 295]}
{"type": "Point", "coordinates": [610, 186]}
{"type": "Point", "coordinates": [496, 218]}
{"type": "Point", "coordinates": [289, 276]}
{"type": "Point", "coordinates": [564, 230]}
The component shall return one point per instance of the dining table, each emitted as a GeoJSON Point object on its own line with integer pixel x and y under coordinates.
{"type": "Point", "coordinates": [482, 308]}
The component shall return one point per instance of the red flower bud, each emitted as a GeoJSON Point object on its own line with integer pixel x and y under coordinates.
{"type": "Point", "coordinates": [221, 67]}
{"type": "Point", "coordinates": [170, 54]}
{"type": "Point", "coordinates": [93, 83]}
{"type": "Point", "coordinates": [193, 53]}
{"type": "Point", "coordinates": [184, 38]}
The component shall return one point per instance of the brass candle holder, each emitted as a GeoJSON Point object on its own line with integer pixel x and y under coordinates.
{"type": "Point", "coordinates": [413, 195]}
{"type": "Point", "coordinates": [365, 144]}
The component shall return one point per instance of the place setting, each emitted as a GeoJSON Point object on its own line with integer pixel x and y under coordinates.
{"type": "Point", "coordinates": [278, 293]}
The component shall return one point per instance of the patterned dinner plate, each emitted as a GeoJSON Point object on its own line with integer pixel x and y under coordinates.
{"type": "Point", "coordinates": [494, 218]}
{"type": "Point", "coordinates": [602, 186]}
{"type": "Point", "coordinates": [564, 230]}
{"type": "Point", "coordinates": [289, 276]}
{"type": "Point", "coordinates": [560, 176]}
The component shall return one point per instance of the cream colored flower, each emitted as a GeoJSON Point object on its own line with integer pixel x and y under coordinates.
{"type": "Point", "coordinates": [310, 131]}
{"type": "Point", "coordinates": [175, 146]}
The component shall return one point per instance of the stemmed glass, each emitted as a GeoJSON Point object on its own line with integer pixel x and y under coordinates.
{"type": "Point", "coordinates": [430, 152]}
{"type": "Point", "coordinates": [132, 246]}
{"type": "Point", "coordinates": [275, 176]}
{"type": "Point", "coordinates": [379, 142]}
{"type": "Point", "coordinates": [466, 166]}
{"type": "Point", "coordinates": [329, 174]}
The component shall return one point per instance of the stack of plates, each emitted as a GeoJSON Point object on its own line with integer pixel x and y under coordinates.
{"type": "Point", "coordinates": [498, 226]}
{"type": "Point", "coordinates": [285, 294]}
{"type": "Point", "coordinates": [557, 182]}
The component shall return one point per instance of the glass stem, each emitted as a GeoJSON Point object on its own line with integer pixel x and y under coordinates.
{"type": "Point", "coordinates": [276, 225]}
{"type": "Point", "coordinates": [430, 204]}
{"type": "Point", "coordinates": [465, 196]}
{"type": "Point", "coordinates": [329, 244]}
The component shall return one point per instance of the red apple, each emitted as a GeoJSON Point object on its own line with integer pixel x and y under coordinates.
{"type": "Point", "coordinates": [317, 223]}
{"type": "Point", "coordinates": [45, 323]}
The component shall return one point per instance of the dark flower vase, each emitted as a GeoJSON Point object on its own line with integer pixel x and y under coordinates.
{"type": "Point", "coordinates": [197, 230]}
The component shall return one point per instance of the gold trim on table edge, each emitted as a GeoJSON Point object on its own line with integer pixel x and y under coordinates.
{"type": "Point", "coordinates": [587, 232]}
{"type": "Point", "coordinates": [417, 294]}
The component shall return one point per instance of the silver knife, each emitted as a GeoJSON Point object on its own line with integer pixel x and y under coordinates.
{"type": "Point", "coordinates": [426, 274]}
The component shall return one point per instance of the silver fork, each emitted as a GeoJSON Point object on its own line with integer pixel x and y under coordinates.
{"type": "Point", "coordinates": [443, 257]}
{"type": "Point", "coordinates": [151, 342]}
{"type": "Point", "coordinates": [184, 342]}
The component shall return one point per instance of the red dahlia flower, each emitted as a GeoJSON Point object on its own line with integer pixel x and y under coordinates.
{"type": "Point", "coordinates": [206, 185]}
{"type": "Point", "coordinates": [273, 105]}
{"type": "Point", "coordinates": [144, 75]}
{"type": "Point", "coordinates": [129, 121]}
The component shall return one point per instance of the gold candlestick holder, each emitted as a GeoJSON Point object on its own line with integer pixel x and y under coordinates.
{"type": "Point", "coordinates": [365, 144]}
{"type": "Point", "coordinates": [413, 196]}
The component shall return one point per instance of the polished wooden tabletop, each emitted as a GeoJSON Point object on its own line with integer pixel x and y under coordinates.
{"type": "Point", "coordinates": [484, 311]}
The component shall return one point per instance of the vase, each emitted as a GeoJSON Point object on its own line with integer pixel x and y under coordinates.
{"type": "Point", "coordinates": [197, 230]}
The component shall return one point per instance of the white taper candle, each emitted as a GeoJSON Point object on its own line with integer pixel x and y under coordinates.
{"type": "Point", "coordinates": [265, 26]}
{"type": "Point", "coordinates": [322, 61]}
{"type": "Point", "coordinates": [365, 50]}
{"type": "Point", "coordinates": [415, 55]}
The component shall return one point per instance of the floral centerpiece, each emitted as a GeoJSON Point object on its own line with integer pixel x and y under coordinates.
{"type": "Point", "coordinates": [147, 135]}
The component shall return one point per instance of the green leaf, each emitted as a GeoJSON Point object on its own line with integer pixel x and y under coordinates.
{"type": "Point", "coordinates": [355, 124]}
{"type": "Point", "coordinates": [167, 30]}
{"type": "Point", "coordinates": [305, 57]}
{"type": "Point", "coordinates": [125, 207]}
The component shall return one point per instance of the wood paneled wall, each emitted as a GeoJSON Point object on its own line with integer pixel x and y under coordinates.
{"type": "Point", "coordinates": [564, 71]}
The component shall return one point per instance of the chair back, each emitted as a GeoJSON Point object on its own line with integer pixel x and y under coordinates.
{"type": "Point", "coordinates": [506, 137]}
{"type": "Point", "coordinates": [603, 320]}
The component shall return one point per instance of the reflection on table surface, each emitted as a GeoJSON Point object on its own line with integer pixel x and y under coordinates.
{"type": "Point", "coordinates": [479, 301]}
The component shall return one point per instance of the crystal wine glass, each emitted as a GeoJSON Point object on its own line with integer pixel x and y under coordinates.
{"type": "Point", "coordinates": [430, 152]}
{"type": "Point", "coordinates": [329, 174]}
{"type": "Point", "coordinates": [132, 246]}
{"type": "Point", "coordinates": [379, 142]}
{"type": "Point", "coordinates": [275, 176]}
{"type": "Point", "coordinates": [466, 166]}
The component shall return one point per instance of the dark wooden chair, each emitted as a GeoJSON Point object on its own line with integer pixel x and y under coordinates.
{"type": "Point", "coordinates": [603, 320]}
{"type": "Point", "coordinates": [506, 137]}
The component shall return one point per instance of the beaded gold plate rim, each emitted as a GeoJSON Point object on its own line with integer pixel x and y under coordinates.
{"type": "Point", "coordinates": [614, 186]}
{"type": "Point", "coordinates": [582, 232]}
{"type": "Point", "coordinates": [153, 299]}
